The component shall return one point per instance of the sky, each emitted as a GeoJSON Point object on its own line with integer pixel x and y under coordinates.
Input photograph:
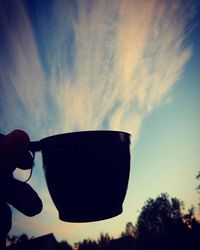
{"type": "Point", "coordinates": [105, 65]}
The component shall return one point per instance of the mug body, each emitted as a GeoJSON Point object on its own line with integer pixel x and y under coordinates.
{"type": "Point", "coordinates": [87, 173]}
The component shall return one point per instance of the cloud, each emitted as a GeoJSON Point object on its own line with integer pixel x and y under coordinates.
{"type": "Point", "coordinates": [22, 79]}
{"type": "Point", "coordinates": [124, 59]}
{"type": "Point", "coordinates": [127, 57]}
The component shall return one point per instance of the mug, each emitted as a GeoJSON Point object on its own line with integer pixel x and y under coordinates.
{"type": "Point", "coordinates": [86, 172]}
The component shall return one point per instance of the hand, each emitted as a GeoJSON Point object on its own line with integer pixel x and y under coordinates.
{"type": "Point", "coordinates": [14, 154]}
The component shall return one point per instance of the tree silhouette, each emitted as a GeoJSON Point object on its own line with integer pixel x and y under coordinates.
{"type": "Point", "coordinates": [198, 187]}
{"type": "Point", "coordinates": [104, 241]}
{"type": "Point", "coordinates": [23, 237]}
{"type": "Point", "coordinates": [198, 178]}
{"type": "Point", "coordinates": [161, 226]}
{"type": "Point", "coordinates": [87, 245]}
{"type": "Point", "coordinates": [14, 239]}
{"type": "Point", "coordinates": [63, 245]}
{"type": "Point", "coordinates": [130, 230]}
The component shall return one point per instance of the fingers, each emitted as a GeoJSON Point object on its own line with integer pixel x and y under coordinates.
{"type": "Point", "coordinates": [14, 151]}
{"type": "Point", "coordinates": [22, 196]}
{"type": "Point", "coordinates": [14, 142]}
{"type": "Point", "coordinates": [5, 225]}
{"type": "Point", "coordinates": [23, 160]}
{"type": "Point", "coordinates": [5, 218]}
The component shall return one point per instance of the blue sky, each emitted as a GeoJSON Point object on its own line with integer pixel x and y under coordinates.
{"type": "Point", "coordinates": [118, 65]}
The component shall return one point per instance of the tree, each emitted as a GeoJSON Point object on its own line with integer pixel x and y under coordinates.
{"type": "Point", "coordinates": [129, 230]}
{"type": "Point", "coordinates": [23, 237]}
{"type": "Point", "coordinates": [157, 214]}
{"type": "Point", "coordinates": [198, 187]}
{"type": "Point", "coordinates": [104, 241]}
{"type": "Point", "coordinates": [64, 245]}
{"type": "Point", "coordinates": [160, 224]}
{"type": "Point", "coordinates": [12, 239]}
{"type": "Point", "coordinates": [87, 245]}
{"type": "Point", "coordinates": [18, 239]}
{"type": "Point", "coordinates": [198, 178]}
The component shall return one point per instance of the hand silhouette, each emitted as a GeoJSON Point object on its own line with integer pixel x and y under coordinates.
{"type": "Point", "coordinates": [14, 154]}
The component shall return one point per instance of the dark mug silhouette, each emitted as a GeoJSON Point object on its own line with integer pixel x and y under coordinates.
{"type": "Point", "coordinates": [86, 173]}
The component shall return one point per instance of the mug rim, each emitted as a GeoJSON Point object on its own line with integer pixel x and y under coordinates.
{"type": "Point", "coordinates": [117, 134]}
{"type": "Point", "coordinates": [121, 135]}
{"type": "Point", "coordinates": [89, 132]}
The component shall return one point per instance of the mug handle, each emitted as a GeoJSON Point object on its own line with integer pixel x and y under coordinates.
{"type": "Point", "coordinates": [35, 146]}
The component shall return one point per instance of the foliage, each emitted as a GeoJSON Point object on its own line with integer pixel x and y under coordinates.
{"type": "Point", "coordinates": [198, 177]}
{"type": "Point", "coordinates": [64, 245]}
{"type": "Point", "coordinates": [130, 230]}
{"type": "Point", "coordinates": [198, 187]}
{"type": "Point", "coordinates": [14, 239]}
{"type": "Point", "coordinates": [162, 225]}
{"type": "Point", "coordinates": [158, 215]}
{"type": "Point", "coordinates": [104, 241]}
{"type": "Point", "coordinates": [87, 245]}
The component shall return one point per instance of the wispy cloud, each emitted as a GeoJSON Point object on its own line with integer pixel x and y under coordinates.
{"type": "Point", "coordinates": [22, 79]}
{"type": "Point", "coordinates": [124, 59]}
